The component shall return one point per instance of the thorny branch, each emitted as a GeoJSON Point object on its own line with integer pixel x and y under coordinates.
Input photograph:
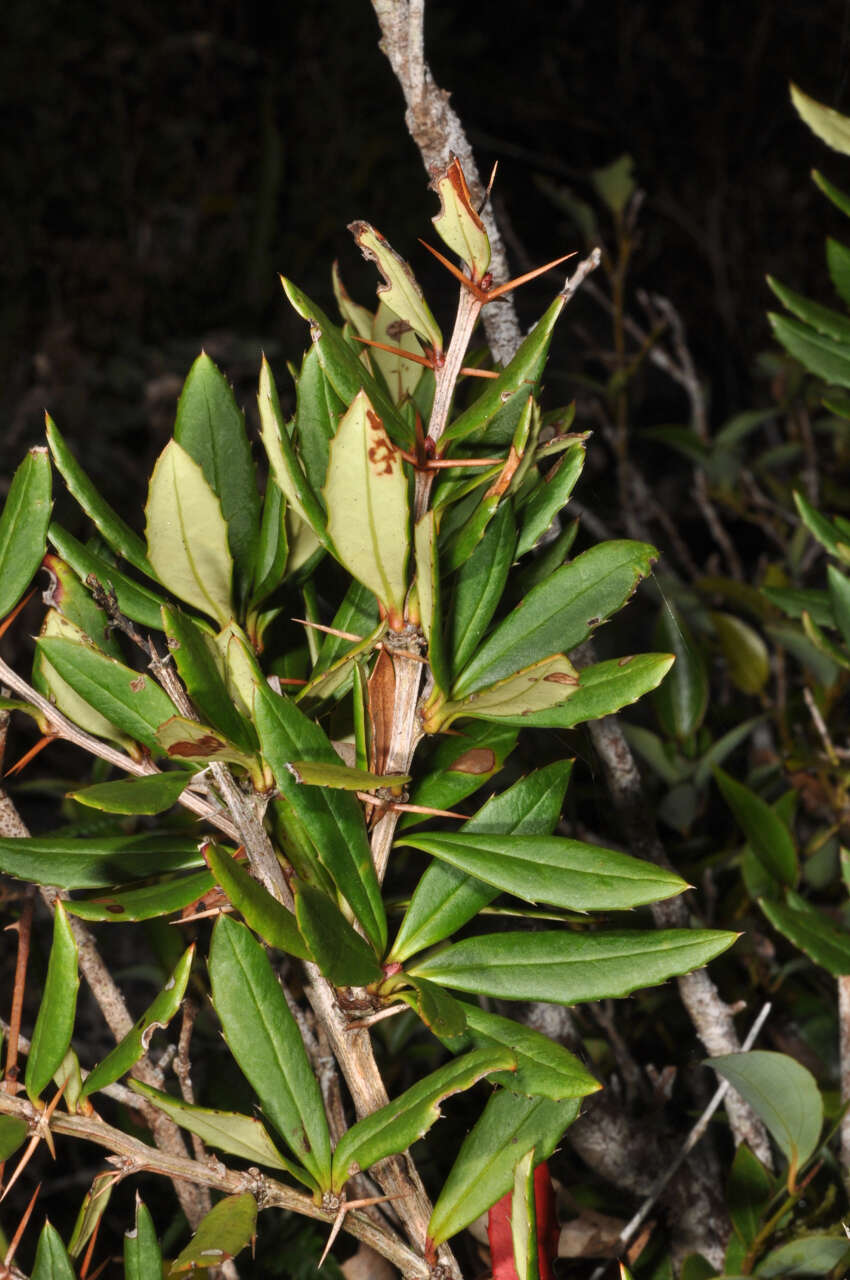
{"type": "Point", "coordinates": [132, 1156]}
{"type": "Point", "coordinates": [436, 129]}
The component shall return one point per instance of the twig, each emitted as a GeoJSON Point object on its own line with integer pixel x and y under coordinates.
{"type": "Point", "coordinates": [438, 133]}
{"type": "Point", "coordinates": [820, 725]}
{"type": "Point", "coordinates": [711, 1016]}
{"type": "Point", "coordinates": [24, 931]}
{"type": "Point", "coordinates": [844, 1060]}
{"type": "Point", "coordinates": [136, 1157]}
{"type": "Point", "coordinates": [632, 1226]}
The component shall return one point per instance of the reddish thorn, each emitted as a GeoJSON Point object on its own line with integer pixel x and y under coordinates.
{"type": "Point", "coordinates": [492, 294]}
{"type": "Point", "coordinates": [7, 622]}
{"type": "Point", "coordinates": [469, 284]}
{"type": "Point", "coordinates": [31, 754]}
{"type": "Point", "coordinates": [397, 351]}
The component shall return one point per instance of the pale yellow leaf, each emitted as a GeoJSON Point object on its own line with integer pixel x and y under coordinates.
{"type": "Point", "coordinates": [458, 223]}
{"type": "Point", "coordinates": [399, 292]}
{"type": "Point", "coordinates": [366, 496]}
{"type": "Point", "coordinates": [187, 534]}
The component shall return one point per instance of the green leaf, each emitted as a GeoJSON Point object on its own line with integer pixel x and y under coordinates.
{"type": "Point", "coordinates": [238, 1135]}
{"type": "Point", "coordinates": [115, 532]}
{"type": "Point", "coordinates": [335, 681]}
{"type": "Point", "coordinates": [723, 747]}
{"type": "Point", "coordinates": [199, 667]}
{"type": "Point", "coordinates": [333, 820]}
{"type": "Point", "coordinates": [544, 1068]}
{"type": "Point", "coordinates": [395, 1127]}
{"type": "Point", "coordinates": [826, 321]}
{"type": "Point", "coordinates": [566, 968]}
{"type": "Point", "coordinates": [813, 932]}
{"type": "Point", "coordinates": [51, 1258]}
{"type": "Point", "coordinates": [445, 898]}
{"type": "Point", "coordinates": [189, 740]}
{"type": "Point", "coordinates": [54, 1025]}
{"type": "Point", "coordinates": [681, 700]}
{"type": "Point", "coordinates": [564, 873]}
{"type": "Point", "coordinates": [747, 1194]}
{"type": "Point", "coordinates": [479, 586]}
{"type": "Point", "coordinates": [524, 1220]}
{"type": "Point", "coordinates": [827, 534]}
{"type": "Point", "coordinates": [603, 688]}
{"type": "Point", "coordinates": [795, 601]}
{"type": "Point", "coordinates": [13, 1134]}
{"type": "Point", "coordinates": [283, 459]}
{"type": "Point", "coordinates": [815, 1255]}
{"type": "Point", "coordinates": [142, 1254]}
{"type": "Point", "coordinates": [366, 496]}
{"type": "Point", "coordinates": [94, 862]}
{"type": "Point", "coordinates": [822, 356]}
{"type": "Point", "coordinates": [323, 774]}
{"type": "Point", "coordinates": [223, 1233]}
{"type": "Point", "coordinates": [72, 602]}
{"type": "Point", "coordinates": [48, 682]}
{"type": "Point", "coordinates": [400, 375]}
{"type": "Point", "coordinates": [91, 1212]}
{"type": "Point", "coordinates": [518, 377]}
{"type": "Point", "coordinates": [838, 198]}
{"type": "Point", "coordinates": [458, 224]}
{"type": "Point", "coordinates": [828, 125]}
{"type": "Point", "coordinates": [783, 1095]}
{"type": "Point", "coordinates": [266, 1043]}
{"type": "Point", "coordinates": [550, 496]}
{"type": "Point", "coordinates": [152, 794]}
{"type": "Point", "coordinates": [839, 596]}
{"type": "Point", "coordinates": [746, 654]}
{"type": "Point", "coordinates": [428, 587]}
{"type": "Point", "coordinates": [344, 369]}
{"type": "Point", "coordinates": [318, 409]}
{"type": "Point", "coordinates": [615, 183]}
{"type": "Point", "coordinates": [162, 898]}
{"type": "Point", "coordinates": [460, 765]}
{"type": "Point", "coordinates": [484, 1170]}
{"type": "Point", "coordinates": [766, 833]}
{"type": "Point", "coordinates": [261, 912]}
{"type": "Point", "coordinates": [187, 535]}
{"type": "Point", "coordinates": [399, 292]}
{"type": "Point", "coordinates": [441, 1013]}
{"type": "Point", "coordinates": [129, 699]}
{"type": "Point", "coordinates": [559, 614]}
{"type": "Point", "coordinates": [358, 614]}
{"type": "Point", "coordinates": [138, 602]}
{"type": "Point", "coordinates": [211, 428]}
{"type": "Point", "coordinates": [540, 687]}
{"type": "Point", "coordinates": [23, 527]}
{"type": "Point", "coordinates": [134, 1045]}
{"type": "Point", "coordinates": [272, 547]}
{"type": "Point", "coordinates": [838, 263]}
{"type": "Point", "coordinates": [343, 956]}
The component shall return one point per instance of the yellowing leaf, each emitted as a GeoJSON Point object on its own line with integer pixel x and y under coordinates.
{"type": "Point", "coordinates": [187, 535]}
{"type": "Point", "coordinates": [744, 650]}
{"type": "Point", "coordinates": [830, 126]}
{"type": "Point", "coordinates": [366, 495]}
{"type": "Point", "coordinates": [49, 682]}
{"type": "Point", "coordinates": [537, 688]}
{"type": "Point", "coordinates": [399, 292]}
{"type": "Point", "coordinates": [401, 376]}
{"type": "Point", "coordinates": [457, 224]}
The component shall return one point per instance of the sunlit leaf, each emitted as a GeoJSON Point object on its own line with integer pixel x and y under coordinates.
{"type": "Point", "coordinates": [827, 124]}
{"type": "Point", "coordinates": [366, 496]}
{"type": "Point", "coordinates": [458, 224]}
{"type": "Point", "coordinates": [150, 902]}
{"type": "Point", "coordinates": [187, 534]}
{"type": "Point", "coordinates": [142, 1254]}
{"type": "Point", "coordinates": [51, 1257]}
{"type": "Point", "coordinates": [399, 290]}
{"type": "Point", "coordinates": [152, 794]}
{"type": "Point", "coordinates": [94, 862]}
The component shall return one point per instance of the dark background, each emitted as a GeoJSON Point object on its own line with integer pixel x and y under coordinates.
{"type": "Point", "coordinates": [163, 161]}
